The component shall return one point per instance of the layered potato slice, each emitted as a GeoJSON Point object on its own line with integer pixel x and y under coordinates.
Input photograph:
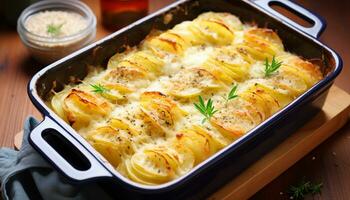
{"type": "Point", "coordinates": [191, 82]}
{"type": "Point", "coordinates": [306, 70]}
{"type": "Point", "coordinates": [141, 63]}
{"type": "Point", "coordinates": [212, 32]}
{"type": "Point", "coordinates": [215, 28]}
{"type": "Point", "coordinates": [266, 96]}
{"type": "Point", "coordinates": [112, 143]}
{"type": "Point", "coordinates": [289, 79]}
{"type": "Point", "coordinates": [56, 103]}
{"type": "Point", "coordinates": [159, 164]}
{"type": "Point", "coordinates": [160, 111]}
{"type": "Point", "coordinates": [209, 28]}
{"type": "Point", "coordinates": [231, 22]}
{"type": "Point", "coordinates": [168, 42]}
{"type": "Point", "coordinates": [128, 72]}
{"type": "Point", "coordinates": [199, 141]}
{"type": "Point", "coordinates": [261, 43]}
{"type": "Point", "coordinates": [124, 126]}
{"type": "Point", "coordinates": [228, 65]}
{"type": "Point", "coordinates": [236, 117]}
{"type": "Point", "coordinates": [79, 107]}
{"type": "Point", "coordinates": [151, 167]}
{"type": "Point", "coordinates": [123, 79]}
{"type": "Point", "coordinates": [295, 75]}
{"type": "Point", "coordinates": [183, 30]}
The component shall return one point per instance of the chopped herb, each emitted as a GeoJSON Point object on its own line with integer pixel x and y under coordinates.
{"type": "Point", "coordinates": [207, 110]}
{"type": "Point", "coordinates": [99, 88]}
{"type": "Point", "coordinates": [304, 188]}
{"type": "Point", "coordinates": [232, 94]}
{"type": "Point", "coordinates": [271, 68]}
{"type": "Point", "coordinates": [54, 29]}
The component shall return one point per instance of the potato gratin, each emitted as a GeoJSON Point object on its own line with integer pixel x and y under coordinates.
{"type": "Point", "coordinates": [163, 107]}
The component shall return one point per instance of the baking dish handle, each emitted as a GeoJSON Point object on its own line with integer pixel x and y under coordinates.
{"type": "Point", "coordinates": [318, 23]}
{"type": "Point", "coordinates": [85, 166]}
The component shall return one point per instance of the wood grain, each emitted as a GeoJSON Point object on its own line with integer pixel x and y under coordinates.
{"type": "Point", "coordinates": [17, 67]}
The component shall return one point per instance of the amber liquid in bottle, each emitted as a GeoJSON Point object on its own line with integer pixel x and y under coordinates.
{"type": "Point", "coordinates": [118, 13]}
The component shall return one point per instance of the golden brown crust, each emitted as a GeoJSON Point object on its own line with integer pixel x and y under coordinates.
{"type": "Point", "coordinates": [140, 113]}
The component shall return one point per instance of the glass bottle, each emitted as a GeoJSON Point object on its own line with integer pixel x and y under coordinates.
{"type": "Point", "coordinates": [119, 13]}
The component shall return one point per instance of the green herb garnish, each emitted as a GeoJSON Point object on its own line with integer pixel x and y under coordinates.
{"type": "Point", "coordinates": [207, 110]}
{"type": "Point", "coordinates": [271, 68]}
{"type": "Point", "coordinates": [232, 94]}
{"type": "Point", "coordinates": [54, 29]}
{"type": "Point", "coordinates": [99, 88]}
{"type": "Point", "coordinates": [304, 188]}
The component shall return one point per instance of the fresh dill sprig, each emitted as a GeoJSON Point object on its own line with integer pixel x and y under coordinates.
{"type": "Point", "coordinates": [232, 94]}
{"type": "Point", "coordinates": [271, 68]}
{"type": "Point", "coordinates": [54, 29]}
{"type": "Point", "coordinates": [207, 109]}
{"type": "Point", "coordinates": [304, 188]}
{"type": "Point", "coordinates": [99, 88]}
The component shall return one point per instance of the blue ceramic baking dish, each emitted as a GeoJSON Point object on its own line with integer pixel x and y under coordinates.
{"type": "Point", "coordinates": [67, 151]}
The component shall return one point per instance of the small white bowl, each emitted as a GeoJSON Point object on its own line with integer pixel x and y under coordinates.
{"type": "Point", "coordinates": [46, 49]}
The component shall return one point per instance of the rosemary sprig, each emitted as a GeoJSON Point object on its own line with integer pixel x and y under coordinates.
{"type": "Point", "coordinates": [207, 109]}
{"type": "Point", "coordinates": [99, 88]}
{"type": "Point", "coordinates": [54, 29]}
{"type": "Point", "coordinates": [304, 188]}
{"type": "Point", "coordinates": [271, 68]}
{"type": "Point", "coordinates": [232, 94]}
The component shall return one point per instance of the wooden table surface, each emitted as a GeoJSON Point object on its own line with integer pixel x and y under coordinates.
{"type": "Point", "coordinates": [329, 163]}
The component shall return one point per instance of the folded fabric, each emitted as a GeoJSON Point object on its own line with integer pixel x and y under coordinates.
{"type": "Point", "coordinates": [24, 174]}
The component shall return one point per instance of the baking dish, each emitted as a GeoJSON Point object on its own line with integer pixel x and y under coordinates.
{"type": "Point", "coordinates": [77, 160]}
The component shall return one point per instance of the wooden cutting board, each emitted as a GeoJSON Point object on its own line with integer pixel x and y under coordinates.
{"type": "Point", "coordinates": [333, 116]}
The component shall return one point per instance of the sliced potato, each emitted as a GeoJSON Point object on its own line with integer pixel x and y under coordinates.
{"type": "Point", "coordinates": [161, 110]}
{"type": "Point", "coordinates": [256, 100]}
{"type": "Point", "coordinates": [262, 43]}
{"type": "Point", "coordinates": [57, 103]}
{"type": "Point", "coordinates": [199, 141]}
{"type": "Point", "coordinates": [267, 97]}
{"type": "Point", "coordinates": [151, 167]}
{"type": "Point", "coordinates": [290, 80]}
{"type": "Point", "coordinates": [122, 80]}
{"type": "Point", "coordinates": [169, 42]}
{"type": "Point", "coordinates": [80, 107]}
{"type": "Point", "coordinates": [141, 63]}
{"type": "Point", "coordinates": [110, 143]}
{"type": "Point", "coordinates": [186, 158]}
{"type": "Point", "coordinates": [230, 21]}
{"type": "Point", "coordinates": [227, 65]}
{"type": "Point", "coordinates": [234, 118]}
{"type": "Point", "coordinates": [281, 96]}
{"type": "Point", "coordinates": [191, 82]}
{"type": "Point", "coordinates": [184, 31]}
{"type": "Point", "coordinates": [212, 32]}
{"type": "Point", "coordinates": [309, 72]}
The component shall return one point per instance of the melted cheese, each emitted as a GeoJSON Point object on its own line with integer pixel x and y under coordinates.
{"type": "Point", "coordinates": [144, 121]}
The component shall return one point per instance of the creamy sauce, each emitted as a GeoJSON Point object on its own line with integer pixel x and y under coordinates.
{"type": "Point", "coordinates": [240, 112]}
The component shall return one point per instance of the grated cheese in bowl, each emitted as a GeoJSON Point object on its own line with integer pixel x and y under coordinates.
{"type": "Point", "coordinates": [55, 23]}
{"type": "Point", "coordinates": [54, 29]}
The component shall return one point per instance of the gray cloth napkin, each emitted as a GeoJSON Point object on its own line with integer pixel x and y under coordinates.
{"type": "Point", "coordinates": [24, 174]}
